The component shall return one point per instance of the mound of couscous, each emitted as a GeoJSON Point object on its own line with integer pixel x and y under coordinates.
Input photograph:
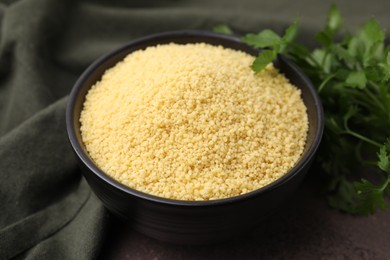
{"type": "Point", "coordinates": [193, 122]}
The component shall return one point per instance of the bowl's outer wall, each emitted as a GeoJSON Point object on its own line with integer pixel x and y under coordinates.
{"type": "Point", "coordinates": [184, 223]}
{"type": "Point", "coordinates": [192, 225]}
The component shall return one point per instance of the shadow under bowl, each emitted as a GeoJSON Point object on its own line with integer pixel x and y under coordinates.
{"type": "Point", "coordinates": [191, 222]}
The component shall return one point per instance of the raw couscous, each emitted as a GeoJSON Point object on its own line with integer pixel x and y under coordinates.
{"type": "Point", "coordinates": [193, 122]}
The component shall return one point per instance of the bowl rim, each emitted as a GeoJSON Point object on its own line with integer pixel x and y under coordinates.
{"type": "Point", "coordinates": [77, 147]}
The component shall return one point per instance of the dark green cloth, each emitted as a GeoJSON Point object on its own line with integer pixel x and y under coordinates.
{"type": "Point", "coordinates": [47, 208]}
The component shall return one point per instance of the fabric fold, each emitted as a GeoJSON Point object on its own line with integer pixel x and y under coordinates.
{"type": "Point", "coordinates": [42, 189]}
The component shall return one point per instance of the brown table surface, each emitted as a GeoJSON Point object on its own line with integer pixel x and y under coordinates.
{"type": "Point", "coordinates": [305, 228]}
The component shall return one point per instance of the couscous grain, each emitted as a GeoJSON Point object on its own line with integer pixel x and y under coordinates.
{"type": "Point", "coordinates": [193, 122]}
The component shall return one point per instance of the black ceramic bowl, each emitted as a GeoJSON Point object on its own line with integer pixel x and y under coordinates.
{"type": "Point", "coordinates": [191, 222]}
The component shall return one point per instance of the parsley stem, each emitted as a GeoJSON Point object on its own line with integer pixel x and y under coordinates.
{"type": "Point", "coordinates": [385, 184]}
{"type": "Point", "coordinates": [325, 81]}
{"type": "Point", "coordinates": [323, 61]}
{"type": "Point", "coordinates": [315, 63]}
{"type": "Point", "coordinates": [375, 99]}
{"type": "Point", "coordinates": [360, 98]}
{"type": "Point", "coordinates": [374, 85]}
{"type": "Point", "coordinates": [363, 138]}
{"type": "Point", "coordinates": [369, 163]}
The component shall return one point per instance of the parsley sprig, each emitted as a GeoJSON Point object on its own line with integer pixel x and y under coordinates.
{"type": "Point", "coordinates": [352, 75]}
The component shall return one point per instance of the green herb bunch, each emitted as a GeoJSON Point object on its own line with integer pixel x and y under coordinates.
{"type": "Point", "coordinates": [352, 75]}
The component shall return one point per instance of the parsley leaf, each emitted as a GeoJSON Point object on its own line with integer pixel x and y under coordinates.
{"type": "Point", "coordinates": [266, 38]}
{"type": "Point", "coordinates": [263, 59]}
{"type": "Point", "coordinates": [222, 28]}
{"type": "Point", "coordinates": [388, 58]}
{"type": "Point", "coordinates": [384, 157]}
{"type": "Point", "coordinates": [291, 32]}
{"type": "Point", "coordinates": [369, 197]}
{"type": "Point", "coordinates": [371, 33]}
{"type": "Point", "coordinates": [356, 79]}
{"type": "Point", "coordinates": [269, 39]}
{"type": "Point", "coordinates": [334, 20]}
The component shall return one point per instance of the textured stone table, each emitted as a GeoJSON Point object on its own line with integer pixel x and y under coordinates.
{"type": "Point", "coordinates": [306, 228]}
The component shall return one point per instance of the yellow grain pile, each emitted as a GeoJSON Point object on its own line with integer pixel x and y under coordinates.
{"type": "Point", "coordinates": [193, 122]}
